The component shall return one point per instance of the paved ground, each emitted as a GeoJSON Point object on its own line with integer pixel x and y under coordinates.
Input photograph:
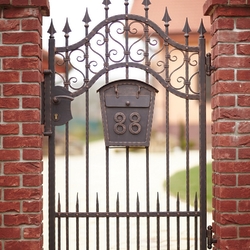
{"type": "Point", "coordinates": [118, 185]}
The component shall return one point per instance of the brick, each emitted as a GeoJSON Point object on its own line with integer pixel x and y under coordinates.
{"type": "Point", "coordinates": [230, 87]}
{"type": "Point", "coordinates": [244, 206]}
{"type": "Point", "coordinates": [31, 50]}
{"type": "Point", "coordinates": [32, 233]}
{"type": "Point", "coordinates": [32, 154]}
{"type": "Point", "coordinates": [32, 180]}
{"type": "Point", "coordinates": [244, 127]}
{"type": "Point", "coordinates": [32, 25]}
{"type": "Point", "coordinates": [9, 155]}
{"type": "Point", "coordinates": [244, 153]}
{"type": "Point", "coordinates": [9, 103]}
{"type": "Point", "coordinates": [21, 116]}
{"type": "Point", "coordinates": [244, 100]}
{"type": "Point", "coordinates": [243, 75]}
{"type": "Point", "coordinates": [243, 244]}
{"type": "Point", "coordinates": [9, 51]}
{"type": "Point", "coordinates": [232, 113]}
{"type": "Point", "coordinates": [23, 168]}
{"type": "Point", "coordinates": [224, 154]}
{"type": "Point", "coordinates": [243, 23]}
{"type": "Point", "coordinates": [32, 206]}
{"type": "Point", "coordinates": [20, 2]}
{"type": "Point", "coordinates": [244, 140]}
{"type": "Point", "coordinates": [225, 140]}
{"type": "Point", "coordinates": [21, 37]}
{"type": "Point", "coordinates": [223, 101]}
{"type": "Point", "coordinates": [9, 129]}
{"type": "Point", "coordinates": [244, 180]}
{"type": "Point", "coordinates": [31, 103]}
{"type": "Point", "coordinates": [225, 205]}
{"type": "Point", "coordinates": [32, 76]}
{"type": "Point", "coordinates": [224, 179]}
{"type": "Point", "coordinates": [21, 89]}
{"type": "Point", "coordinates": [9, 207]}
{"type": "Point", "coordinates": [244, 231]}
{"type": "Point", "coordinates": [232, 192]}
{"type": "Point", "coordinates": [22, 219]}
{"type": "Point", "coordinates": [231, 167]}
{"type": "Point", "coordinates": [9, 25]}
{"type": "Point", "coordinates": [223, 23]}
{"type": "Point", "coordinates": [27, 245]}
{"type": "Point", "coordinates": [22, 194]}
{"type": "Point", "coordinates": [22, 142]}
{"type": "Point", "coordinates": [229, 232]}
{"type": "Point", "coordinates": [9, 77]}
{"type": "Point", "coordinates": [224, 75]}
{"type": "Point", "coordinates": [223, 127]}
{"type": "Point", "coordinates": [237, 218]}
{"type": "Point", "coordinates": [9, 181]}
{"type": "Point", "coordinates": [10, 13]}
{"type": "Point", "coordinates": [243, 49]}
{"type": "Point", "coordinates": [232, 62]}
{"type": "Point", "coordinates": [21, 64]}
{"type": "Point", "coordinates": [10, 233]}
{"type": "Point", "coordinates": [31, 129]}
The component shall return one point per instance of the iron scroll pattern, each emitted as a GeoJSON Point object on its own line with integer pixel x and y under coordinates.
{"type": "Point", "coordinates": [116, 42]}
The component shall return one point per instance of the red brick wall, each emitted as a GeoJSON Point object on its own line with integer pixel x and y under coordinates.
{"type": "Point", "coordinates": [231, 121]}
{"type": "Point", "coordinates": [20, 129]}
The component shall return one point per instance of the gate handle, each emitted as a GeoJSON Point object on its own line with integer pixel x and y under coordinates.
{"type": "Point", "coordinates": [210, 239]}
{"type": "Point", "coordinates": [56, 100]}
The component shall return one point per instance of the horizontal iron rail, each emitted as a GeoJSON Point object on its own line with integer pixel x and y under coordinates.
{"type": "Point", "coordinates": [127, 214]}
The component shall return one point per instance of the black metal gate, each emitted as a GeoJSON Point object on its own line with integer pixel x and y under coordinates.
{"type": "Point", "coordinates": [107, 197]}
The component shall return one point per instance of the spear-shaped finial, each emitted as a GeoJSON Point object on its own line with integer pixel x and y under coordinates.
{"type": "Point", "coordinates": [86, 18]}
{"type": "Point", "coordinates": [51, 29]}
{"type": "Point", "coordinates": [106, 2]}
{"type": "Point", "coordinates": [202, 29]}
{"type": "Point", "coordinates": [146, 3]}
{"type": "Point", "coordinates": [166, 18]}
{"type": "Point", "coordinates": [66, 28]}
{"type": "Point", "coordinates": [186, 28]}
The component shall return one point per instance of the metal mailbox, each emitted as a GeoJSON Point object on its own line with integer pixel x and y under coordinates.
{"type": "Point", "coordinates": [127, 111]}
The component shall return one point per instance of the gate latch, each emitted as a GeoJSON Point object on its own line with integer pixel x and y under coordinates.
{"type": "Point", "coordinates": [61, 111]}
{"type": "Point", "coordinates": [210, 239]}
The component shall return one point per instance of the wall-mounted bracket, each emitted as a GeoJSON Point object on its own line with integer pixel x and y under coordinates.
{"type": "Point", "coordinates": [210, 239]}
{"type": "Point", "coordinates": [209, 67]}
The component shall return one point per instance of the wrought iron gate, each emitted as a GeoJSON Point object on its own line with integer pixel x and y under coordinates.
{"type": "Point", "coordinates": [114, 206]}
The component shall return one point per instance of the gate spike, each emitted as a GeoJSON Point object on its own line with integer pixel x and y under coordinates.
{"type": "Point", "coordinates": [202, 29]}
{"type": "Point", "coordinates": [66, 28]}
{"type": "Point", "coordinates": [106, 2]}
{"type": "Point", "coordinates": [186, 28]}
{"type": "Point", "coordinates": [146, 3]}
{"type": "Point", "coordinates": [86, 18]}
{"type": "Point", "coordinates": [51, 29]}
{"type": "Point", "coordinates": [166, 18]}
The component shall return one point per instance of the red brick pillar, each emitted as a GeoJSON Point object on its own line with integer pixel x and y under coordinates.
{"type": "Point", "coordinates": [230, 103]}
{"type": "Point", "coordinates": [20, 130]}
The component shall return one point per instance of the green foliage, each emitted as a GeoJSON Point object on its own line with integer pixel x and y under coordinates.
{"type": "Point", "coordinates": [178, 184]}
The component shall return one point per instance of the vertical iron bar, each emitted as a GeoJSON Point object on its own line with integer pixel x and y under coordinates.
{"type": "Point", "coordinates": [51, 174]}
{"type": "Point", "coordinates": [126, 39]}
{"type": "Point", "coordinates": [77, 222]}
{"type": "Point", "coordinates": [87, 19]}
{"type": "Point", "coordinates": [187, 86]}
{"type": "Point", "coordinates": [196, 222]}
{"type": "Point", "coordinates": [138, 222]}
{"type": "Point", "coordinates": [117, 223]}
{"type": "Point", "coordinates": [107, 198]}
{"type": "Point", "coordinates": [158, 222]}
{"type": "Point", "coordinates": [148, 197]}
{"type": "Point", "coordinates": [59, 223]}
{"type": "Point", "coordinates": [166, 19]}
{"type": "Point", "coordinates": [178, 221]}
{"type": "Point", "coordinates": [128, 197]}
{"type": "Point", "coordinates": [107, 2]}
{"type": "Point", "coordinates": [202, 138]}
{"type": "Point", "coordinates": [97, 224]}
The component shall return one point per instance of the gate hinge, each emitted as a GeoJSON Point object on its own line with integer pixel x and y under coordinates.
{"type": "Point", "coordinates": [210, 239]}
{"type": "Point", "coordinates": [209, 67]}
